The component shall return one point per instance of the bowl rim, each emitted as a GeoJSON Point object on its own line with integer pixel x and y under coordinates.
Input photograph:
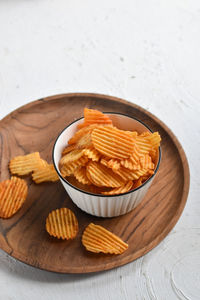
{"type": "Point", "coordinates": [100, 195]}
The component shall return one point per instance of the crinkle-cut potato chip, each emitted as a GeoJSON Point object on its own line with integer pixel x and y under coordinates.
{"type": "Point", "coordinates": [144, 145]}
{"type": "Point", "coordinates": [100, 175]}
{"type": "Point", "coordinates": [133, 162]}
{"type": "Point", "coordinates": [111, 163]}
{"type": "Point", "coordinates": [120, 190]}
{"type": "Point", "coordinates": [88, 188]}
{"type": "Point", "coordinates": [153, 154]}
{"type": "Point", "coordinates": [127, 174]}
{"type": "Point", "coordinates": [45, 173]}
{"type": "Point", "coordinates": [68, 149]}
{"type": "Point", "coordinates": [25, 164]}
{"type": "Point", "coordinates": [97, 239]}
{"type": "Point", "coordinates": [148, 142]}
{"type": "Point", "coordinates": [62, 224]}
{"type": "Point", "coordinates": [146, 162]}
{"type": "Point", "coordinates": [145, 133]}
{"type": "Point", "coordinates": [81, 132]}
{"type": "Point", "coordinates": [137, 183]}
{"type": "Point", "coordinates": [85, 141]}
{"type": "Point", "coordinates": [71, 157]}
{"type": "Point", "coordinates": [113, 142]}
{"type": "Point", "coordinates": [13, 193]}
{"type": "Point", "coordinates": [92, 116]}
{"type": "Point", "coordinates": [80, 175]}
{"type": "Point", "coordinates": [154, 139]}
{"type": "Point", "coordinates": [92, 153]}
{"type": "Point", "coordinates": [68, 169]}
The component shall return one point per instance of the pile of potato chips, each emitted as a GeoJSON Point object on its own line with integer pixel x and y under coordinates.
{"type": "Point", "coordinates": [106, 160]}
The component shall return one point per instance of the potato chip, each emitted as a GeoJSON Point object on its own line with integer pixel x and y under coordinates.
{"type": "Point", "coordinates": [137, 183]}
{"type": "Point", "coordinates": [81, 133]}
{"type": "Point", "coordinates": [13, 193]}
{"type": "Point", "coordinates": [120, 190]}
{"type": "Point", "coordinates": [25, 164]}
{"type": "Point", "coordinates": [146, 162]}
{"type": "Point", "coordinates": [154, 139]}
{"type": "Point", "coordinates": [92, 153]}
{"type": "Point", "coordinates": [148, 142]}
{"type": "Point", "coordinates": [111, 163]}
{"type": "Point", "coordinates": [144, 145]}
{"type": "Point", "coordinates": [68, 169]}
{"type": "Point", "coordinates": [153, 154]}
{"type": "Point", "coordinates": [85, 141]}
{"type": "Point", "coordinates": [71, 157]}
{"type": "Point", "coordinates": [92, 116]}
{"type": "Point", "coordinates": [80, 175]}
{"type": "Point", "coordinates": [113, 142]}
{"type": "Point", "coordinates": [127, 174]}
{"type": "Point", "coordinates": [62, 224]}
{"type": "Point", "coordinates": [97, 239]}
{"type": "Point", "coordinates": [45, 173]}
{"type": "Point", "coordinates": [100, 175]}
{"type": "Point", "coordinates": [68, 149]}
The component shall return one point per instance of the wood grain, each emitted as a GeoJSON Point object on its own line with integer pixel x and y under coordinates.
{"type": "Point", "coordinates": [34, 127]}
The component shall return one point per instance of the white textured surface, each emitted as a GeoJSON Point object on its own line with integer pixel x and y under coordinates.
{"type": "Point", "coordinates": [144, 51]}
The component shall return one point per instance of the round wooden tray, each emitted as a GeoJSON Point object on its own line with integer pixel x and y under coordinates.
{"type": "Point", "coordinates": [34, 127]}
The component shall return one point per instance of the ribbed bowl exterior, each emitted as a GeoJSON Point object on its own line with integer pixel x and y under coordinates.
{"type": "Point", "coordinates": [106, 206]}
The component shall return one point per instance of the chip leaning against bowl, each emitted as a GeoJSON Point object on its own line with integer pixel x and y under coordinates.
{"type": "Point", "coordinates": [103, 159]}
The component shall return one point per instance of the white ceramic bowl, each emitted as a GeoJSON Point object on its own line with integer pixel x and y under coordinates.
{"type": "Point", "coordinates": [101, 205]}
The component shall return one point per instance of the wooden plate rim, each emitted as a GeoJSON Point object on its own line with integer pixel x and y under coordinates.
{"type": "Point", "coordinates": [158, 239]}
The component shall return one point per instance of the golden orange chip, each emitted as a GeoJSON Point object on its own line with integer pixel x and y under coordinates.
{"type": "Point", "coordinates": [100, 175]}
{"type": "Point", "coordinates": [146, 133]}
{"type": "Point", "coordinates": [23, 165]}
{"type": "Point", "coordinates": [148, 142]}
{"type": "Point", "coordinates": [97, 239]}
{"type": "Point", "coordinates": [81, 133]}
{"type": "Point", "coordinates": [13, 193]}
{"type": "Point", "coordinates": [62, 224]}
{"type": "Point", "coordinates": [137, 183]}
{"type": "Point", "coordinates": [143, 143]}
{"type": "Point", "coordinates": [127, 174]}
{"type": "Point", "coordinates": [71, 157]}
{"type": "Point", "coordinates": [146, 162]}
{"type": "Point", "coordinates": [133, 162]}
{"type": "Point", "coordinates": [80, 175]}
{"type": "Point", "coordinates": [85, 141]}
{"type": "Point", "coordinates": [112, 163]}
{"type": "Point", "coordinates": [120, 190]}
{"type": "Point", "coordinates": [45, 173]}
{"type": "Point", "coordinates": [92, 153]}
{"type": "Point", "coordinates": [68, 169]}
{"type": "Point", "coordinates": [92, 116]}
{"type": "Point", "coordinates": [113, 142]}
{"type": "Point", "coordinates": [68, 149]}
{"type": "Point", "coordinates": [154, 139]}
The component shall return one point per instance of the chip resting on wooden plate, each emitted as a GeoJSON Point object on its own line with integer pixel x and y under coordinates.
{"type": "Point", "coordinates": [25, 164]}
{"type": "Point", "coordinates": [97, 239]}
{"type": "Point", "coordinates": [62, 224]}
{"type": "Point", "coordinates": [45, 173]}
{"type": "Point", "coordinates": [13, 193]}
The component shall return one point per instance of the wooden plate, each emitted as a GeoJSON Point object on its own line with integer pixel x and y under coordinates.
{"type": "Point", "coordinates": [34, 127]}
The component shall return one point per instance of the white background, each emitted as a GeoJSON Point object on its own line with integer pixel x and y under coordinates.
{"type": "Point", "coordinates": [147, 52]}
